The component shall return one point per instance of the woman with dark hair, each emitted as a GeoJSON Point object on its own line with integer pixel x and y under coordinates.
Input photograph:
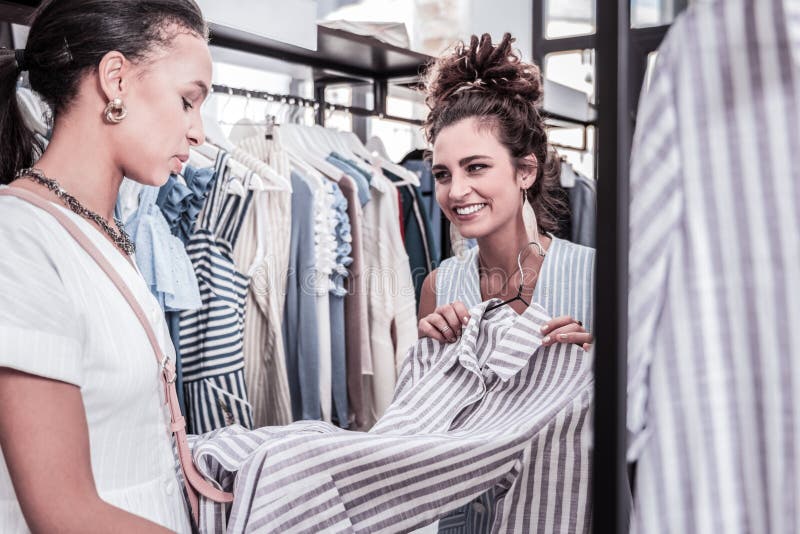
{"type": "Point", "coordinates": [84, 436]}
{"type": "Point", "coordinates": [490, 158]}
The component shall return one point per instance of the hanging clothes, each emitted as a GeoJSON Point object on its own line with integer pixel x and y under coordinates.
{"type": "Point", "coordinates": [582, 206]}
{"type": "Point", "coordinates": [427, 190]}
{"type": "Point", "coordinates": [258, 247]}
{"type": "Point", "coordinates": [423, 253]}
{"type": "Point", "coordinates": [267, 377]}
{"type": "Point", "coordinates": [300, 326]}
{"type": "Point", "coordinates": [211, 338]}
{"type": "Point", "coordinates": [354, 172]}
{"type": "Point", "coordinates": [161, 257]}
{"type": "Point", "coordinates": [392, 308]}
{"type": "Point", "coordinates": [431, 452]}
{"type": "Point", "coordinates": [358, 349]}
{"type": "Point", "coordinates": [338, 276]}
{"type": "Point", "coordinates": [181, 203]}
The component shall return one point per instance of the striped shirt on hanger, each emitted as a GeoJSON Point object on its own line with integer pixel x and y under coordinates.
{"type": "Point", "coordinates": [494, 410]}
{"type": "Point", "coordinates": [714, 302]}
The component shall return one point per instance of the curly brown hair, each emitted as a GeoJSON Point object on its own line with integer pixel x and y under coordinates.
{"type": "Point", "coordinates": [491, 83]}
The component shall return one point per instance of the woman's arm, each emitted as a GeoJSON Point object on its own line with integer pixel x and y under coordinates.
{"type": "Point", "coordinates": [45, 441]}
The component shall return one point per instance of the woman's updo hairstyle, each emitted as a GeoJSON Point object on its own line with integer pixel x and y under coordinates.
{"type": "Point", "coordinates": [490, 82]}
{"type": "Point", "coordinates": [67, 39]}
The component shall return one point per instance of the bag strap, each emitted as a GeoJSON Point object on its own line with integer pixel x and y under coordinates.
{"type": "Point", "coordinates": [193, 479]}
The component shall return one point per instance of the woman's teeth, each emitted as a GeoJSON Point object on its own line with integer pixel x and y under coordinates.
{"type": "Point", "coordinates": [470, 209]}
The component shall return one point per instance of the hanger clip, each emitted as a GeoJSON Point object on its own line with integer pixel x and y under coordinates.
{"type": "Point", "coordinates": [270, 126]}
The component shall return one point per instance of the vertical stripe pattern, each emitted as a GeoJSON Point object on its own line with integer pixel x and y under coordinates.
{"type": "Point", "coordinates": [713, 392]}
{"type": "Point", "coordinates": [565, 286]}
{"type": "Point", "coordinates": [495, 410]}
{"type": "Point", "coordinates": [211, 337]}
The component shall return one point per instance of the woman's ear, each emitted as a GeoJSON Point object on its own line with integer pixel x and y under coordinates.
{"type": "Point", "coordinates": [528, 167]}
{"type": "Point", "coordinates": [113, 72]}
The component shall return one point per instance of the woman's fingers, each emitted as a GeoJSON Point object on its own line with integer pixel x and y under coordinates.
{"type": "Point", "coordinates": [448, 313]}
{"type": "Point", "coordinates": [570, 333]}
{"type": "Point", "coordinates": [426, 329]}
{"type": "Point", "coordinates": [445, 323]}
{"type": "Point", "coordinates": [461, 312]}
{"type": "Point", "coordinates": [559, 322]}
{"type": "Point", "coordinates": [440, 323]}
{"type": "Point", "coordinates": [577, 338]}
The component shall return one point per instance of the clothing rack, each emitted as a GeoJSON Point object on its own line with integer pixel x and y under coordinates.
{"type": "Point", "coordinates": [307, 103]}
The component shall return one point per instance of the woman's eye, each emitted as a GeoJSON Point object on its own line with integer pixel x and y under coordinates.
{"type": "Point", "coordinates": [186, 104]}
{"type": "Point", "coordinates": [439, 176]}
{"type": "Point", "coordinates": [475, 167]}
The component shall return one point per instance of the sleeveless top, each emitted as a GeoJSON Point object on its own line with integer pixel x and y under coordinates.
{"type": "Point", "coordinates": [565, 286]}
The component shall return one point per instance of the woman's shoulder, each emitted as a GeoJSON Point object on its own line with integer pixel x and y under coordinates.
{"type": "Point", "coordinates": [568, 252]}
{"type": "Point", "coordinates": [462, 262]}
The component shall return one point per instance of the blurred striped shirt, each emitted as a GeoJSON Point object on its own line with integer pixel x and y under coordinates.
{"type": "Point", "coordinates": [714, 383]}
{"type": "Point", "coordinates": [494, 410]}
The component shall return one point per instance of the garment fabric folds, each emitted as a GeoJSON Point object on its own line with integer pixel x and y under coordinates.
{"type": "Point", "coordinates": [494, 410]}
{"type": "Point", "coordinates": [565, 287]}
{"type": "Point", "coordinates": [211, 337]}
{"type": "Point", "coordinates": [714, 275]}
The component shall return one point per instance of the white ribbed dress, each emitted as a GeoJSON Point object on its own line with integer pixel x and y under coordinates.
{"type": "Point", "coordinates": [62, 318]}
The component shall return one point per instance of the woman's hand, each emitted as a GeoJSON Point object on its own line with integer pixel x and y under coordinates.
{"type": "Point", "coordinates": [566, 330]}
{"type": "Point", "coordinates": [445, 323]}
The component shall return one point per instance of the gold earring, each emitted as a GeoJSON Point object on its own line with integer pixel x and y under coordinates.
{"type": "Point", "coordinates": [115, 111]}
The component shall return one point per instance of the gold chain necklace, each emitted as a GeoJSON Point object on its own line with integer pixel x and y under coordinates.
{"type": "Point", "coordinates": [118, 236]}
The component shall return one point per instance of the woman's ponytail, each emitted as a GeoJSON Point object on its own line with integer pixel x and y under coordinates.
{"type": "Point", "coordinates": [17, 142]}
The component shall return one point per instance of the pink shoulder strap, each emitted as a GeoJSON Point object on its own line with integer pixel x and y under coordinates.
{"type": "Point", "coordinates": [194, 481]}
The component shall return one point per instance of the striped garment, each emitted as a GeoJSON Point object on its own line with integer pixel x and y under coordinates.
{"type": "Point", "coordinates": [211, 337]}
{"type": "Point", "coordinates": [494, 410]}
{"type": "Point", "coordinates": [565, 286]}
{"type": "Point", "coordinates": [262, 252]}
{"type": "Point", "coordinates": [714, 378]}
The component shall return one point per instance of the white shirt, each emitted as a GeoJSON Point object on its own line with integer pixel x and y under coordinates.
{"type": "Point", "coordinates": [390, 290]}
{"type": "Point", "coordinates": [62, 318]}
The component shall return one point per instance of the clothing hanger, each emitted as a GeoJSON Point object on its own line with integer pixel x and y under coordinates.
{"type": "Point", "coordinates": [265, 178]}
{"type": "Point", "coordinates": [213, 132]}
{"type": "Point", "coordinates": [292, 136]}
{"type": "Point", "coordinates": [381, 159]}
{"type": "Point", "coordinates": [521, 278]}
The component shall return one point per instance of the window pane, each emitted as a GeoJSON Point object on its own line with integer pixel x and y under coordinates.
{"type": "Point", "coordinates": [574, 69]}
{"type": "Point", "coordinates": [647, 13]}
{"type": "Point", "coordinates": [569, 18]}
{"type": "Point", "coordinates": [564, 138]}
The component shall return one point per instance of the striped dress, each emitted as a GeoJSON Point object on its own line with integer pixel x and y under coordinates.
{"type": "Point", "coordinates": [212, 337]}
{"type": "Point", "coordinates": [714, 270]}
{"type": "Point", "coordinates": [565, 287]}
{"type": "Point", "coordinates": [495, 410]}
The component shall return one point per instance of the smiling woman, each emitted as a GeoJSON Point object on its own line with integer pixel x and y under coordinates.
{"type": "Point", "coordinates": [490, 158]}
{"type": "Point", "coordinates": [84, 438]}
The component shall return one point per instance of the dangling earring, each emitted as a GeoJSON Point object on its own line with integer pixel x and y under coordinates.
{"type": "Point", "coordinates": [115, 111]}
